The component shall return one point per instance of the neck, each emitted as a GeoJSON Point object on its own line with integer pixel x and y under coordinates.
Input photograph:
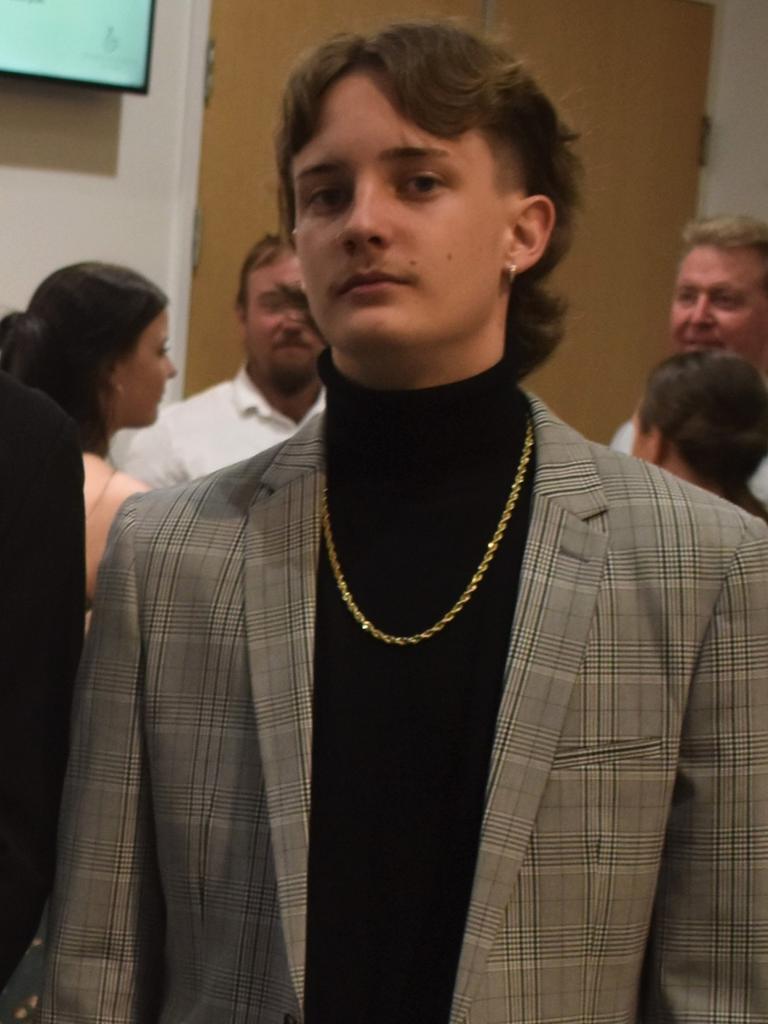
{"type": "Point", "coordinates": [295, 404]}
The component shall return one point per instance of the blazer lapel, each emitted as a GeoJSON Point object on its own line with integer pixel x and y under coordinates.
{"type": "Point", "coordinates": [562, 567]}
{"type": "Point", "coordinates": [282, 541]}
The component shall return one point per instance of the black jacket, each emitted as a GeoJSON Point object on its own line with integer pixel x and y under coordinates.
{"type": "Point", "coordinates": [41, 630]}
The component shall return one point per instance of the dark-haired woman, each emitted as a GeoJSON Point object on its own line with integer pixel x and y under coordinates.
{"type": "Point", "coordinates": [704, 417]}
{"type": "Point", "coordinates": [94, 337]}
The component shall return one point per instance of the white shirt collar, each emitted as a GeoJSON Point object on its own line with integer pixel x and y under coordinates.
{"type": "Point", "coordinates": [248, 398]}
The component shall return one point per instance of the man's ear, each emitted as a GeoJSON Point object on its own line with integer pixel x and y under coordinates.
{"type": "Point", "coordinates": [531, 220]}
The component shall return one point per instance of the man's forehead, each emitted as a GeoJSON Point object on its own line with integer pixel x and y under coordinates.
{"type": "Point", "coordinates": [269, 277]}
{"type": "Point", "coordinates": [738, 266]}
{"type": "Point", "coordinates": [388, 135]}
{"type": "Point", "coordinates": [358, 101]}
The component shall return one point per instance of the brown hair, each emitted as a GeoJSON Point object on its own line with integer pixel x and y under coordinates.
{"type": "Point", "coordinates": [713, 407]}
{"type": "Point", "coordinates": [448, 80]}
{"type": "Point", "coordinates": [729, 232]}
{"type": "Point", "coordinates": [263, 253]}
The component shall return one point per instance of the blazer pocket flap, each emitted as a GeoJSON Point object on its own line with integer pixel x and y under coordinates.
{"type": "Point", "coordinates": [607, 753]}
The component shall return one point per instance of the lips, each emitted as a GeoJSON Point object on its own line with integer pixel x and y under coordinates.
{"type": "Point", "coordinates": [292, 343]}
{"type": "Point", "coordinates": [368, 279]}
{"type": "Point", "coordinates": [701, 341]}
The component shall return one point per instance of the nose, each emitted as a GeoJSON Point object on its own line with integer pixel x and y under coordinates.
{"type": "Point", "coordinates": [171, 370]}
{"type": "Point", "coordinates": [366, 222]}
{"type": "Point", "coordinates": [701, 311]}
{"type": "Point", "coordinates": [294, 320]}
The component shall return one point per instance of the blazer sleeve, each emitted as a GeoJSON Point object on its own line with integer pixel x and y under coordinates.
{"type": "Point", "coordinates": [107, 927]}
{"type": "Point", "coordinates": [41, 631]}
{"type": "Point", "coordinates": [708, 954]}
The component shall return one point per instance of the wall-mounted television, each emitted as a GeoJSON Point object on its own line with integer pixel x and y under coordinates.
{"type": "Point", "coordinates": [102, 43]}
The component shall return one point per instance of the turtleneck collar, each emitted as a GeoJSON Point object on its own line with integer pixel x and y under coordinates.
{"type": "Point", "coordinates": [426, 433]}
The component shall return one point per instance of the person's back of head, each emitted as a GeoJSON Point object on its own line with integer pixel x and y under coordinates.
{"type": "Point", "coordinates": [80, 321]}
{"type": "Point", "coordinates": [711, 407]}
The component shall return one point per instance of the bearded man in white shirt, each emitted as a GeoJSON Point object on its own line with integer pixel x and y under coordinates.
{"type": "Point", "coordinates": [274, 392]}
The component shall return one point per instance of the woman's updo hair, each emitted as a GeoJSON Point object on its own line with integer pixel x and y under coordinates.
{"type": "Point", "coordinates": [79, 323]}
{"type": "Point", "coordinates": [713, 407]}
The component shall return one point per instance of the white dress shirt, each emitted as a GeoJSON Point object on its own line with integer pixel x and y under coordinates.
{"type": "Point", "coordinates": [224, 424]}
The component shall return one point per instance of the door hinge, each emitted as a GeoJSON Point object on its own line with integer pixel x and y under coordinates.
{"type": "Point", "coordinates": [210, 67]}
{"type": "Point", "coordinates": [197, 237]}
{"type": "Point", "coordinates": [705, 137]}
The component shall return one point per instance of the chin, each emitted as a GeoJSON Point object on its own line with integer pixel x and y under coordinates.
{"type": "Point", "coordinates": [145, 421]}
{"type": "Point", "coordinates": [374, 335]}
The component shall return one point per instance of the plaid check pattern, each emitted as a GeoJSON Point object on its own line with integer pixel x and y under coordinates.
{"type": "Point", "coordinates": [622, 874]}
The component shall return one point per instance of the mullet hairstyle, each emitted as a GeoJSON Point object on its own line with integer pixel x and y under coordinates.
{"type": "Point", "coordinates": [81, 320]}
{"type": "Point", "coordinates": [712, 406]}
{"type": "Point", "coordinates": [263, 253]}
{"type": "Point", "coordinates": [729, 232]}
{"type": "Point", "coordinates": [448, 81]}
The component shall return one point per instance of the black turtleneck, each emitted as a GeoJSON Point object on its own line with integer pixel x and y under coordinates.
{"type": "Point", "coordinates": [417, 481]}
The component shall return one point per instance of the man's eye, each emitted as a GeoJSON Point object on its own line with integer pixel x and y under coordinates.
{"type": "Point", "coordinates": [726, 301]}
{"type": "Point", "coordinates": [422, 184]}
{"type": "Point", "coordinates": [686, 297]}
{"type": "Point", "coordinates": [329, 198]}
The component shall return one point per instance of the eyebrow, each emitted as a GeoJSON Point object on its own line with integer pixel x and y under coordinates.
{"type": "Point", "coordinates": [715, 286]}
{"type": "Point", "coordinates": [392, 155]}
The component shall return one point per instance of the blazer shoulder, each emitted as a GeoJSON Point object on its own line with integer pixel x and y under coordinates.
{"type": "Point", "coordinates": [635, 502]}
{"type": "Point", "coordinates": [226, 495]}
{"type": "Point", "coordinates": [631, 483]}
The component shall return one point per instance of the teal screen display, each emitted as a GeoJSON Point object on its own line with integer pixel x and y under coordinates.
{"type": "Point", "coordinates": [100, 42]}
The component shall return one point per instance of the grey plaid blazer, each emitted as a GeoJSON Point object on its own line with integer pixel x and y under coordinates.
{"type": "Point", "coordinates": [623, 867]}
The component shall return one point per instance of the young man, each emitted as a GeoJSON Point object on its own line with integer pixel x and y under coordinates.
{"type": "Point", "coordinates": [42, 593]}
{"type": "Point", "coordinates": [439, 712]}
{"type": "Point", "coordinates": [275, 391]}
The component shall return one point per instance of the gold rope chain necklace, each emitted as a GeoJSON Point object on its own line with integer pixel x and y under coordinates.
{"type": "Point", "coordinates": [471, 587]}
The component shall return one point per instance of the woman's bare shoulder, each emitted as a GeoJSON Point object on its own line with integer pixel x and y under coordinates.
{"type": "Point", "coordinates": [107, 488]}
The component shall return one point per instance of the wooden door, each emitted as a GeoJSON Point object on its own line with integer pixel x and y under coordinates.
{"type": "Point", "coordinates": [631, 78]}
{"type": "Point", "coordinates": [630, 75]}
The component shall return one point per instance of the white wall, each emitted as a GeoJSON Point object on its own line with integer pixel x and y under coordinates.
{"type": "Point", "coordinates": [736, 178]}
{"type": "Point", "coordinates": [87, 174]}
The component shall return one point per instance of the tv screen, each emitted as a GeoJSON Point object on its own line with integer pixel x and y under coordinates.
{"type": "Point", "coordinates": [104, 43]}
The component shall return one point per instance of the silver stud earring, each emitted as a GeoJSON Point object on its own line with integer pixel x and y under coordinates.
{"type": "Point", "coordinates": [511, 269]}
